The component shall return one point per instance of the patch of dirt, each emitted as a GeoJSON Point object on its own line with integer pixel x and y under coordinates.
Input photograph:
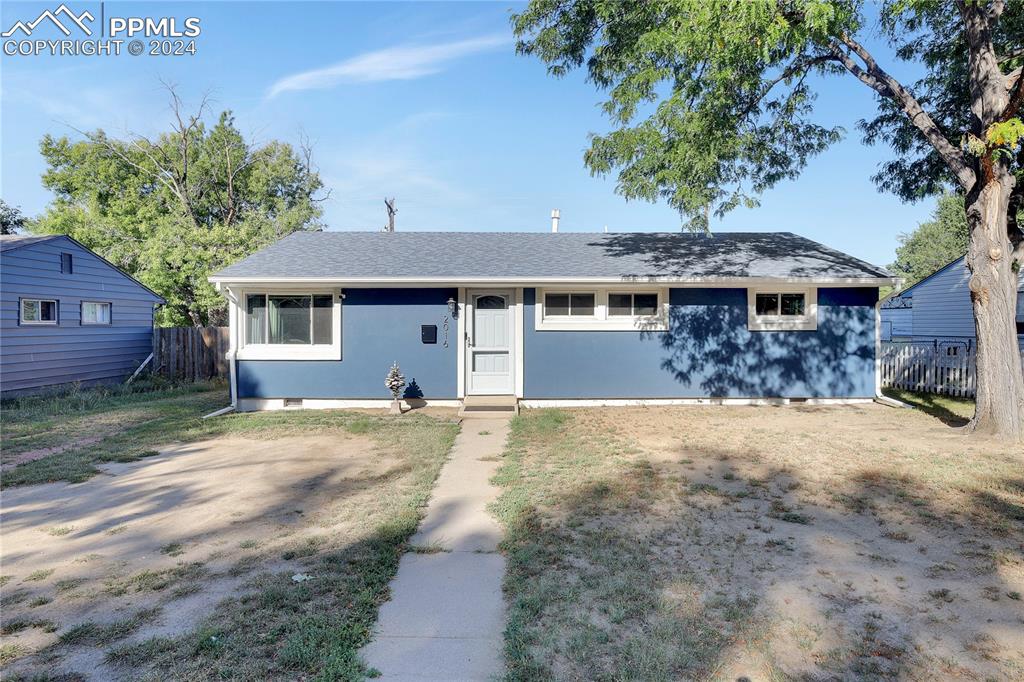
{"type": "Point", "coordinates": [39, 453]}
{"type": "Point", "coordinates": [177, 532]}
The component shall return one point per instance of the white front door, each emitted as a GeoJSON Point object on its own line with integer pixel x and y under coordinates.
{"type": "Point", "coordinates": [490, 343]}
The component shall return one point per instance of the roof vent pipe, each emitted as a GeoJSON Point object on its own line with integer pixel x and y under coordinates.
{"type": "Point", "coordinates": [554, 219]}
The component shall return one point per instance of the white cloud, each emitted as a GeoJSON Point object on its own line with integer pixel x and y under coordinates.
{"type": "Point", "coordinates": [402, 62]}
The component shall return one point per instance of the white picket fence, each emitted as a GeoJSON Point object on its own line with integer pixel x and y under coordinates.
{"type": "Point", "coordinates": [948, 369]}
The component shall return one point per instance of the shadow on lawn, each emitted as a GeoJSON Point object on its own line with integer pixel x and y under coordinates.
{"type": "Point", "coordinates": [275, 627]}
{"type": "Point", "coordinates": [634, 572]}
{"type": "Point", "coordinates": [934, 405]}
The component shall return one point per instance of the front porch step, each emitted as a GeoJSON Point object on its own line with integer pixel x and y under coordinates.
{"type": "Point", "coordinates": [489, 406]}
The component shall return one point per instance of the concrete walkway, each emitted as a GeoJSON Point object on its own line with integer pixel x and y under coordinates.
{"type": "Point", "coordinates": [446, 614]}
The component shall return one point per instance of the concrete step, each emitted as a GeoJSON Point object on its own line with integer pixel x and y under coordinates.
{"type": "Point", "coordinates": [489, 406]}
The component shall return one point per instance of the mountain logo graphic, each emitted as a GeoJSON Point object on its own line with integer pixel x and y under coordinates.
{"type": "Point", "coordinates": [77, 20]}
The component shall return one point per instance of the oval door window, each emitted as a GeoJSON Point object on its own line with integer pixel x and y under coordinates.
{"type": "Point", "coordinates": [491, 303]}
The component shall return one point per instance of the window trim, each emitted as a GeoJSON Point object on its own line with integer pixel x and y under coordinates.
{"type": "Point", "coordinates": [47, 323]}
{"type": "Point", "coordinates": [806, 322]}
{"type": "Point", "coordinates": [601, 320]}
{"type": "Point", "coordinates": [81, 314]}
{"type": "Point", "coordinates": [289, 351]}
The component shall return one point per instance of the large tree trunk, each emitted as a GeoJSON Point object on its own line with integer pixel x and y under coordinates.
{"type": "Point", "coordinates": [999, 408]}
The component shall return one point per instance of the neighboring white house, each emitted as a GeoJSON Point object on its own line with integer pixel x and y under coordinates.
{"type": "Point", "coordinates": [938, 309]}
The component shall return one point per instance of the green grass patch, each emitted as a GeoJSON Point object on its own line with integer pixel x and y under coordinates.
{"type": "Point", "coordinates": [953, 411]}
{"type": "Point", "coordinates": [95, 634]}
{"type": "Point", "coordinates": [40, 574]}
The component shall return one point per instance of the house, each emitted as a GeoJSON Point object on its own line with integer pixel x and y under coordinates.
{"type": "Point", "coordinates": [550, 319]}
{"type": "Point", "coordinates": [938, 309]}
{"type": "Point", "coordinates": [68, 316]}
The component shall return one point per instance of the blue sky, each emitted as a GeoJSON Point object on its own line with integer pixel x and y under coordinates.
{"type": "Point", "coordinates": [427, 102]}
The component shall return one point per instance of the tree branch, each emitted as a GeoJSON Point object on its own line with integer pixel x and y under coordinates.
{"type": "Point", "coordinates": [1016, 98]}
{"type": "Point", "coordinates": [876, 78]}
{"type": "Point", "coordinates": [802, 62]}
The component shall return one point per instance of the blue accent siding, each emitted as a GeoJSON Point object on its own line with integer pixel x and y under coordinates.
{"type": "Point", "coordinates": [379, 326]}
{"type": "Point", "coordinates": [708, 352]}
{"type": "Point", "coordinates": [33, 357]}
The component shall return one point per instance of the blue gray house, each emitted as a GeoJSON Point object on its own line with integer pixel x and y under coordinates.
{"type": "Point", "coordinates": [551, 319]}
{"type": "Point", "coordinates": [68, 316]}
{"type": "Point", "coordinates": [938, 309]}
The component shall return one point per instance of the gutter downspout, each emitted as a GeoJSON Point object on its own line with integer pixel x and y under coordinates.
{"type": "Point", "coordinates": [880, 397]}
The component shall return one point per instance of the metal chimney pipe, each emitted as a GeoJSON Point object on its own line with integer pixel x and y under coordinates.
{"type": "Point", "coordinates": [554, 219]}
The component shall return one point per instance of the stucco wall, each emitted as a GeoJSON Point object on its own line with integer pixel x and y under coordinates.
{"type": "Point", "coordinates": [379, 326]}
{"type": "Point", "coordinates": [708, 352]}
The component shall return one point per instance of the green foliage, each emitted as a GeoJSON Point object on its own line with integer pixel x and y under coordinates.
{"type": "Point", "coordinates": [931, 34]}
{"type": "Point", "coordinates": [934, 243]}
{"type": "Point", "coordinates": [710, 101]}
{"type": "Point", "coordinates": [691, 86]}
{"type": "Point", "coordinates": [172, 210]}
{"type": "Point", "coordinates": [11, 219]}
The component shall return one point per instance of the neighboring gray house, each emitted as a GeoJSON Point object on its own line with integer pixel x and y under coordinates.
{"type": "Point", "coordinates": [67, 315]}
{"type": "Point", "coordinates": [938, 309]}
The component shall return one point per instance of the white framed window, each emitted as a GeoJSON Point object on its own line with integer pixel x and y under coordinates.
{"type": "Point", "coordinates": [289, 325]}
{"type": "Point", "coordinates": [38, 311]}
{"type": "Point", "coordinates": [782, 309]}
{"type": "Point", "coordinates": [605, 309]}
{"type": "Point", "coordinates": [570, 304]}
{"type": "Point", "coordinates": [95, 312]}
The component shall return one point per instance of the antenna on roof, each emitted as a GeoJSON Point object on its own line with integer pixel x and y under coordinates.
{"type": "Point", "coordinates": [390, 205]}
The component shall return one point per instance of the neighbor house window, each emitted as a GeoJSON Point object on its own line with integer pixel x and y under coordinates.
{"type": "Point", "coordinates": [289, 319]}
{"type": "Point", "coordinates": [66, 264]}
{"type": "Point", "coordinates": [602, 309]}
{"type": "Point", "coordinates": [95, 313]}
{"type": "Point", "coordinates": [569, 305]}
{"type": "Point", "coordinates": [38, 311]}
{"type": "Point", "coordinates": [782, 310]}
{"type": "Point", "coordinates": [634, 305]}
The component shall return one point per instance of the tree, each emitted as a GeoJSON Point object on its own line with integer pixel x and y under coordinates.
{"type": "Point", "coordinates": [173, 209]}
{"type": "Point", "coordinates": [934, 243]}
{"type": "Point", "coordinates": [713, 105]}
{"type": "Point", "coordinates": [11, 219]}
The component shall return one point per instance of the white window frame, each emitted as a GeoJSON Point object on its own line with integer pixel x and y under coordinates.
{"type": "Point", "coordinates": [601, 320]}
{"type": "Point", "coordinates": [289, 351]}
{"type": "Point", "coordinates": [56, 311]}
{"type": "Point", "coordinates": [81, 314]}
{"type": "Point", "coordinates": [806, 322]}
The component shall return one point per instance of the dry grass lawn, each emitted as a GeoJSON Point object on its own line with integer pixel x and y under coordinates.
{"type": "Point", "coordinates": [765, 543]}
{"type": "Point", "coordinates": [259, 551]}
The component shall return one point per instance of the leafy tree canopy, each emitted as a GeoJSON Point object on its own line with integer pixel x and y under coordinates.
{"type": "Point", "coordinates": [934, 243]}
{"type": "Point", "coordinates": [711, 102]}
{"type": "Point", "coordinates": [172, 210]}
{"type": "Point", "coordinates": [11, 219]}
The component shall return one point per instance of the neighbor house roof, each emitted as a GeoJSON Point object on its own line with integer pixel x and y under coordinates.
{"type": "Point", "coordinates": [9, 242]}
{"type": "Point", "coordinates": [540, 256]}
{"type": "Point", "coordinates": [908, 292]}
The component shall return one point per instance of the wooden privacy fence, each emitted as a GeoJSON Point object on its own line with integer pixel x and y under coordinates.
{"type": "Point", "coordinates": [946, 367]}
{"type": "Point", "coordinates": [190, 353]}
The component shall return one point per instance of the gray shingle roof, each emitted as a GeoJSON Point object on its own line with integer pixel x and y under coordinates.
{"type": "Point", "coordinates": [14, 241]}
{"type": "Point", "coordinates": [543, 255]}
